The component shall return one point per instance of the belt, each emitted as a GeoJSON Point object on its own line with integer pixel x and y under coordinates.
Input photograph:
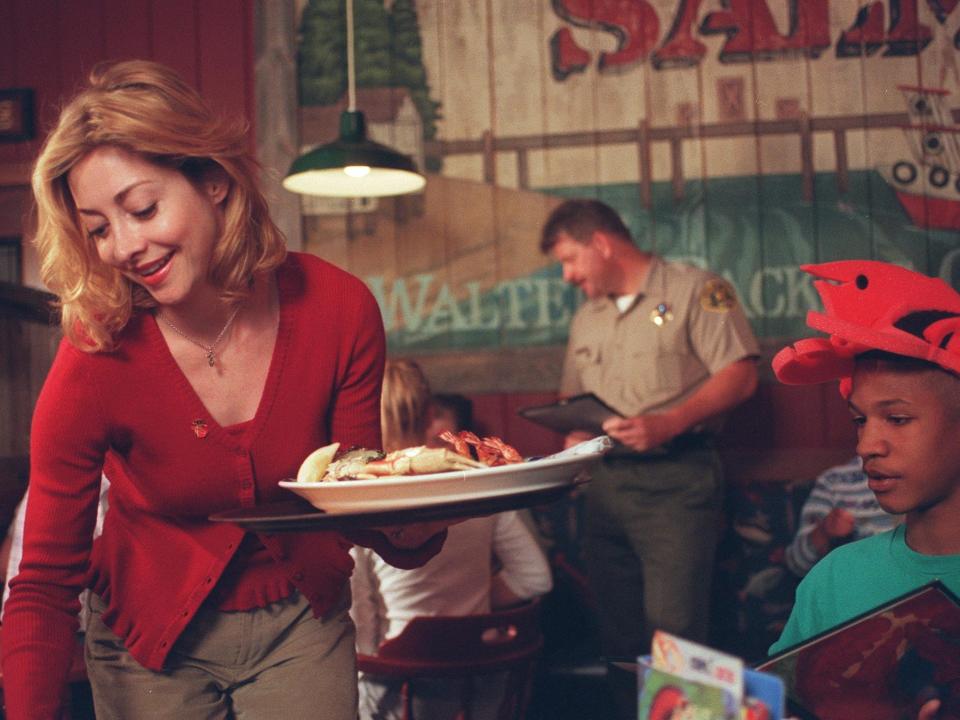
{"type": "Point", "coordinates": [677, 445]}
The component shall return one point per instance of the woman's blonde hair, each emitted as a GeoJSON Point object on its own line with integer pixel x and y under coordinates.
{"type": "Point", "coordinates": [144, 108]}
{"type": "Point", "coordinates": [404, 405]}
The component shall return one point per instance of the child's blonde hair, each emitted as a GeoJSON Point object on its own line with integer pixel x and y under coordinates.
{"type": "Point", "coordinates": [404, 405]}
{"type": "Point", "coordinates": [147, 109]}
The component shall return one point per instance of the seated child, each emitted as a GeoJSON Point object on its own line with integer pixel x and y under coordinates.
{"type": "Point", "coordinates": [448, 411]}
{"type": "Point", "coordinates": [486, 563]}
{"type": "Point", "coordinates": [895, 347]}
{"type": "Point", "coordinates": [840, 508]}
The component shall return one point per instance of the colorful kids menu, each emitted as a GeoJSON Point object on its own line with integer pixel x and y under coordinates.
{"type": "Point", "coordinates": [683, 679]}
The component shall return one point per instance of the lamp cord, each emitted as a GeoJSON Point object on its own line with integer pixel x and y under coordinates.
{"type": "Point", "coordinates": [351, 72]}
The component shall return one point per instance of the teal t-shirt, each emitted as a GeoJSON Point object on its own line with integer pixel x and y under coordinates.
{"type": "Point", "coordinates": [856, 578]}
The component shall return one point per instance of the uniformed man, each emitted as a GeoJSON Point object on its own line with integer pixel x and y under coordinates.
{"type": "Point", "coordinates": [669, 347]}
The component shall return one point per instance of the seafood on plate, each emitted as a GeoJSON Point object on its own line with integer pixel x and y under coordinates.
{"type": "Point", "coordinates": [489, 450]}
{"type": "Point", "coordinates": [469, 452]}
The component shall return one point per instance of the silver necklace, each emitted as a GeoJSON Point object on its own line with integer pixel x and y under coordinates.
{"type": "Point", "coordinates": [208, 349]}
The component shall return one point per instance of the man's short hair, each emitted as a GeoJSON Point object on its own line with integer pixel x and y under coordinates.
{"type": "Point", "coordinates": [579, 218]}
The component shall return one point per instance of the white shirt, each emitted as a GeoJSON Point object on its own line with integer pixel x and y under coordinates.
{"type": "Point", "coordinates": [456, 581]}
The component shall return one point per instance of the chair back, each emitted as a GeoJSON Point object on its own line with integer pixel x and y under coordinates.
{"type": "Point", "coordinates": [460, 647]}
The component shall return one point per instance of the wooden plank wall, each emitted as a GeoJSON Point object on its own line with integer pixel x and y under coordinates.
{"type": "Point", "coordinates": [782, 434]}
{"type": "Point", "coordinates": [510, 126]}
{"type": "Point", "coordinates": [51, 46]}
{"type": "Point", "coordinates": [29, 341]}
{"type": "Point", "coordinates": [493, 77]}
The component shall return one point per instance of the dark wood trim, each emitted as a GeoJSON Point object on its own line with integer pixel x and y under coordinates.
{"type": "Point", "coordinates": [840, 151]}
{"type": "Point", "coordinates": [27, 303]}
{"type": "Point", "coordinates": [744, 466]}
{"type": "Point", "coordinates": [524, 369]}
{"type": "Point", "coordinates": [499, 370]}
{"type": "Point", "coordinates": [666, 134]}
{"type": "Point", "coordinates": [13, 174]}
{"type": "Point", "coordinates": [646, 164]}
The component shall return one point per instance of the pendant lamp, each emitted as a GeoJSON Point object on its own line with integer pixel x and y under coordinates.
{"type": "Point", "coordinates": [353, 165]}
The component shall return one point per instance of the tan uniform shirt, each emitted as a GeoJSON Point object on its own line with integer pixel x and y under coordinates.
{"type": "Point", "coordinates": [684, 325]}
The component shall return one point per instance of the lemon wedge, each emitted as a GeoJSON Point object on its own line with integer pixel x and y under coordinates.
{"type": "Point", "coordinates": [313, 468]}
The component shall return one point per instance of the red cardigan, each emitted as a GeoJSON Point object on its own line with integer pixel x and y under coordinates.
{"type": "Point", "coordinates": [132, 413]}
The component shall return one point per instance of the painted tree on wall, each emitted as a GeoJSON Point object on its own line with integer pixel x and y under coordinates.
{"type": "Point", "coordinates": [322, 52]}
{"type": "Point", "coordinates": [408, 69]}
{"type": "Point", "coordinates": [388, 53]}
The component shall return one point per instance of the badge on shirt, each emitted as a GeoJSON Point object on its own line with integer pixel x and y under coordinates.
{"type": "Point", "coordinates": [718, 296]}
{"type": "Point", "coordinates": [661, 314]}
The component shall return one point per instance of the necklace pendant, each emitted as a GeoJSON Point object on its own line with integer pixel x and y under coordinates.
{"type": "Point", "coordinates": [210, 358]}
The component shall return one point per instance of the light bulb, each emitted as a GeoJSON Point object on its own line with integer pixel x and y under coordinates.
{"type": "Point", "coordinates": [357, 171]}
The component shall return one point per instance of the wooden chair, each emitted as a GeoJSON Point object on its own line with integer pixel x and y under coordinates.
{"type": "Point", "coordinates": [464, 647]}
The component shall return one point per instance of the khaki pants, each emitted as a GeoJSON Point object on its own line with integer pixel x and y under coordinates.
{"type": "Point", "coordinates": [267, 663]}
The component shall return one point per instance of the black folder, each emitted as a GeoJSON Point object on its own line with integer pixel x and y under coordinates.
{"type": "Point", "coordinates": [581, 412]}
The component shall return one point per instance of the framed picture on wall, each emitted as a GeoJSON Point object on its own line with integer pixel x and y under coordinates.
{"type": "Point", "coordinates": [16, 114]}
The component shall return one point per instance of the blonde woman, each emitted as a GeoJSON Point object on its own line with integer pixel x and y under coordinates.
{"type": "Point", "coordinates": [201, 364]}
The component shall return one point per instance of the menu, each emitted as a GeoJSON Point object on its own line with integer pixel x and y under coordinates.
{"type": "Point", "coordinates": [881, 665]}
{"type": "Point", "coordinates": [580, 412]}
{"type": "Point", "coordinates": [684, 679]}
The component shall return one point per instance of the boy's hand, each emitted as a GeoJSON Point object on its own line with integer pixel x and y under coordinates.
{"type": "Point", "coordinates": [838, 524]}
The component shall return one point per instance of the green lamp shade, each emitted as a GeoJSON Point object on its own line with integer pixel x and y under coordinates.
{"type": "Point", "coordinates": [353, 166]}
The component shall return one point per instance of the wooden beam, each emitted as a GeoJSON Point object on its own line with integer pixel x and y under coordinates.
{"type": "Point", "coordinates": [489, 158]}
{"type": "Point", "coordinates": [523, 170]}
{"type": "Point", "coordinates": [646, 164]}
{"type": "Point", "coordinates": [676, 167]}
{"type": "Point", "coordinates": [663, 134]}
{"type": "Point", "coordinates": [806, 156]}
{"type": "Point", "coordinates": [532, 369]}
{"type": "Point", "coordinates": [15, 174]}
{"type": "Point", "coordinates": [842, 162]}
{"type": "Point", "coordinates": [27, 303]}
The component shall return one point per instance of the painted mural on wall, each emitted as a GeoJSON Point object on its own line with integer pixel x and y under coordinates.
{"type": "Point", "coordinates": [749, 136]}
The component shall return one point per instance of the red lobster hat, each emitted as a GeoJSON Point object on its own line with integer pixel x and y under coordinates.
{"type": "Point", "coordinates": [870, 305]}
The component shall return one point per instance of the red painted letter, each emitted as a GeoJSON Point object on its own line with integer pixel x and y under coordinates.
{"type": "Point", "coordinates": [866, 35]}
{"type": "Point", "coordinates": [907, 36]}
{"type": "Point", "coordinates": [633, 22]}
{"type": "Point", "coordinates": [681, 49]}
{"type": "Point", "coordinates": [752, 33]}
{"type": "Point", "coordinates": [566, 57]}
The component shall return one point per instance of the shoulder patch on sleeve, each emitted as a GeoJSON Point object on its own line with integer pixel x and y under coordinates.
{"type": "Point", "coordinates": [718, 295]}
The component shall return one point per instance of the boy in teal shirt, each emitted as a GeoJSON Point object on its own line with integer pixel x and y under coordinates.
{"type": "Point", "coordinates": [895, 347]}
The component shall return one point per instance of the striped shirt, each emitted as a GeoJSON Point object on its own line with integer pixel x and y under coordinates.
{"type": "Point", "coordinates": [843, 486]}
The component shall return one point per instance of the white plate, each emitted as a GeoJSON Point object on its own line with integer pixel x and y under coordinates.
{"type": "Point", "coordinates": [411, 491]}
